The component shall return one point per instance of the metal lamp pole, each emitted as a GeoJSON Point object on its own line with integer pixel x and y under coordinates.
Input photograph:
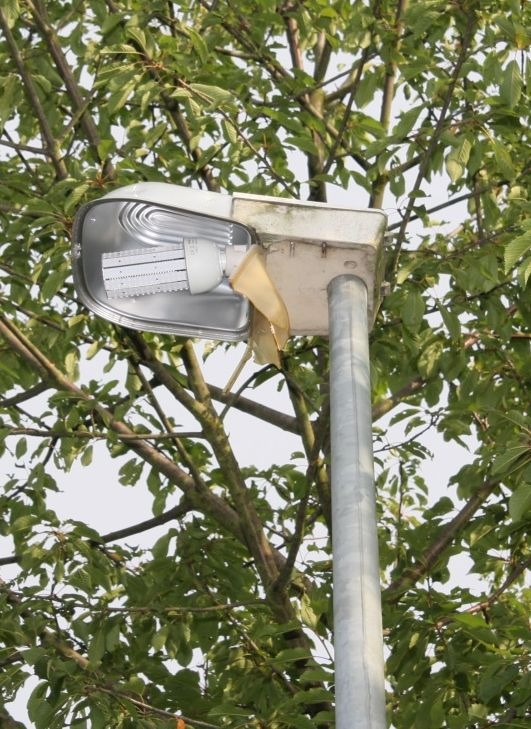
{"type": "Point", "coordinates": [358, 643]}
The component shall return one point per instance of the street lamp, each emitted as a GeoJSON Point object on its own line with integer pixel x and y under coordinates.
{"type": "Point", "coordinates": [165, 258]}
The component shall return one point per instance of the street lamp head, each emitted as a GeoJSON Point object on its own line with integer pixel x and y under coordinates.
{"type": "Point", "coordinates": [171, 259]}
{"type": "Point", "coordinates": [153, 266]}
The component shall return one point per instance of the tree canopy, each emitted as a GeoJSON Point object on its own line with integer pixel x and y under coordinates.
{"type": "Point", "coordinates": [224, 619]}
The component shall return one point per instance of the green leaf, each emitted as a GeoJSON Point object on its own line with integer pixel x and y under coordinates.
{"type": "Point", "coordinates": [457, 160]}
{"type": "Point", "coordinates": [520, 502]}
{"type": "Point", "coordinates": [524, 272]}
{"type": "Point", "coordinates": [288, 655]}
{"type": "Point", "coordinates": [213, 95]}
{"type": "Point", "coordinates": [495, 679]}
{"type": "Point", "coordinates": [307, 612]}
{"type": "Point", "coordinates": [71, 364]}
{"type": "Point", "coordinates": [407, 121]}
{"type": "Point", "coordinates": [39, 710]}
{"type": "Point", "coordinates": [230, 131]}
{"type": "Point", "coordinates": [137, 35]}
{"type": "Point", "coordinates": [428, 362]}
{"type": "Point", "coordinates": [518, 247]}
{"type": "Point", "coordinates": [229, 709]}
{"type": "Point", "coordinates": [9, 92]}
{"type": "Point", "coordinates": [199, 45]}
{"type": "Point", "coordinates": [11, 10]}
{"type": "Point", "coordinates": [297, 722]}
{"type": "Point", "coordinates": [86, 456]}
{"type": "Point", "coordinates": [413, 310]}
{"type": "Point", "coordinates": [52, 284]}
{"type": "Point", "coordinates": [504, 160]}
{"type": "Point", "coordinates": [511, 87]}
{"type": "Point", "coordinates": [506, 462]}
{"type": "Point", "coordinates": [451, 322]}
{"type": "Point", "coordinates": [118, 99]}
{"type": "Point", "coordinates": [21, 448]}
{"type": "Point", "coordinates": [97, 647]}
{"type": "Point", "coordinates": [303, 143]}
{"type": "Point", "coordinates": [159, 639]}
{"type": "Point", "coordinates": [477, 627]}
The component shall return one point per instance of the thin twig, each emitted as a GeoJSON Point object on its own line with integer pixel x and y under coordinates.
{"type": "Point", "coordinates": [434, 140]}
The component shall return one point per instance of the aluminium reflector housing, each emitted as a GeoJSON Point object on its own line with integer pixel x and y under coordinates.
{"type": "Point", "coordinates": [150, 265]}
{"type": "Point", "coordinates": [305, 245]}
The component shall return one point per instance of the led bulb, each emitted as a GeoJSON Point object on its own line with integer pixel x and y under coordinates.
{"type": "Point", "coordinates": [195, 265]}
{"type": "Point", "coordinates": [143, 271]}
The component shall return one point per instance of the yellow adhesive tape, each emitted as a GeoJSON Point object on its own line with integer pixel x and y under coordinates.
{"type": "Point", "coordinates": [270, 327]}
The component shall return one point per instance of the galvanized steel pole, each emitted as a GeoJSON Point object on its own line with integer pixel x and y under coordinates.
{"type": "Point", "coordinates": [358, 642]}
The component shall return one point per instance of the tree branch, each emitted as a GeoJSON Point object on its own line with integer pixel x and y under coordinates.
{"type": "Point", "coordinates": [449, 532]}
{"type": "Point", "coordinates": [257, 410]}
{"type": "Point", "coordinates": [314, 464]}
{"type": "Point", "coordinates": [149, 709]}
{"type": "Point", "coordinates": [7, 721]}
{"type": "Point", "coordinates": [251, 525]}
{"type": "Point", "coordinates": [391, 67]}
{"type": "Point", "coordinates": [202, 498]}
{"type": "Point", "coordinates": [52, 432]}
{"type": "Point", "coordinates": [40, 15]}
{"type": "Point", "coordinates": [323, 53]}
{"type": "Point", "coordinates": [312, 447]}
{"type": "Point", "coordinates": [280, 74]}
{"type": "Point", "coordinates": [172, 514]}
{"type": "Point", "coordinates": [54, 641]}
{"type": "Point", "coordinates": [332, 154]}
{"type": "Point", "coordinates": [171, 106]}
{"type": "Point", "coordinates": [28, 394]}
{"type": "Point", "coordinates": [434, 140]}
{"type": "Point", "coordinates": [50, 145]}
{"type": "Point", "coordinates": [382, 407]}
{"type": "Point", "coordinates": [518, 569]}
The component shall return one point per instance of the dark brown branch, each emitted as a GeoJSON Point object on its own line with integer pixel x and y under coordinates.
{"type": "Point", "coordinates": [280, 75]}
{"type": "Point", "coordinates": [257, 410]}
{"type": "Point", "coordinates": [22, 147]}
{"type": "Point", "coordinates": [7, 721]}
{"type": "Point", "coordinates": [24, 161]}
{"type": "Point", "coordinates": [449, 532]}
{"type": "Point", "coordinates": [54, 641]}
{"type": "Point", "coordinates": [382, 407]}
{"type": "Point", "coordinates": [312, 446]}
{"type": "Point", "coordinates": [28, 394]}
{"type": "Point", "coordinates": [177, 512]}
{"type": "Point", "coordinates": [312, 473]}
{"type": "Point", "coordinates": [55, 433]}
{"type": "Point", "coordinates": [172, 514]}
{"type": "Point", "coordinates": [348, 109]}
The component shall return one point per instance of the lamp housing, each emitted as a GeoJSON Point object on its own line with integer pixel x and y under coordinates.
{"type": "Point", "coordinates": [306, 245]}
